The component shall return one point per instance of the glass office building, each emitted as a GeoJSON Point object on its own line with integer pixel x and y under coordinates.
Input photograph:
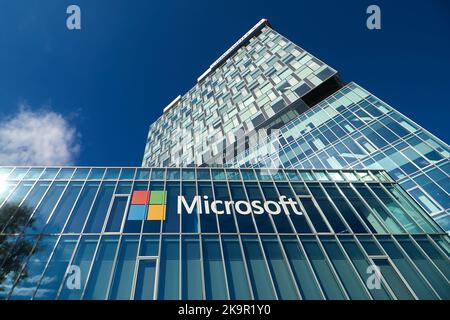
{"type": "Point", "coordinates": [251, 86]}
{"type": "Point", "coordinates": [124, 233]}
{"type": "Point", "coordinates": [266, 82]}
{"type": "Point", "coordinates": [354, 129]}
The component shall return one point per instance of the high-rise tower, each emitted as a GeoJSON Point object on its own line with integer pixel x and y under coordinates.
{"type": "Point", "coordinates": [265, 82]}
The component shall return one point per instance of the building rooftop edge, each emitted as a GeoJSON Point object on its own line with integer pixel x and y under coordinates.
{"type": "Point", "coordinates": [238, 44]}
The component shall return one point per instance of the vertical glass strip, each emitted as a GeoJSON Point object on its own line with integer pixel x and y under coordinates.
{"type": "Point", "coordinates": [245, 222]}
{"type": "Point", "coordinates": [82, 207]}
{"type": "Point", "coordinates": [415, 280]}
{"type": "Point", "coordinates": [349, 278]}
{"type": "Point", "coordinates": [281, 220]}
{"type": "Point", "coordinates": [322, 270]}
{"type": "Point", "coordinates": [363, 265]}
{"type": "Point", "coordinates": [386, 216]}
{"type": "Point", "coordinates": [17, 217]}
{"type": "Point", "coordinates": [413, 209]}
{"type": "Point", "coordinates": [304, 275]}
{"type": "Point", "coordinates": [5, 189]}
{"type": "Point", "coordinates": [191, 271]}
{"type": "Point", "coordinates": [440, 260]}
{"type": "Point", "coordinates": [42, 213]}
{"type": "Point", "coordinates": [116, 214]}
{"type": "Point", "coordinates": [169, 268]}
{"type": "Point", "coordinates": [345, 210]}
{"type": "Point", "coordinates": [281, 274]}
{"type": "Point", "coordinates": [329, 212]}
{"type": "Point", "coordinates": [263, 221]}
{"type": "Point", "coordinates": [401, 215]}
{"type": "Point", "coordinates": [364, 212]}
{"type": "Point", "coordinates": [235, 268]}
{"type": "Point", "coordinates": [100, 274]}
{"type": "Point", "coordinates": [28, 280]}
{"type": "Point", "coordinates": [145, 281]}
{"type": "Point", "coordinates": [190, 220]}
{"type": "Point", "coordinates": [214, 274]}
{"type": "Point", "coordinates": [64, 207]}
{"type": "Point", "coordinates": [124, 270]}
{"type": "Point", "coordinates": [434, 277]}
{"type": "Point", "coordinates": [393, 279]}
{"type": "Point", "coordinates": [56, 269]}
{"type": "Point", "coordinates": [172, 223]}
{"type": "Point", "coordinates": [226, 221]}
{"type": "Point", "coordinates": [208, 222]}
{"type": "Point", "coordinates": [257, 268]}
{"type": "Point", "coordinates": [100, 209]}
{"type": "Point", "coordinates": [75, 281]}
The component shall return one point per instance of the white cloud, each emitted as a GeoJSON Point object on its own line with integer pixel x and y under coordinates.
{"type": "Point", "coordinates": [37, 138]}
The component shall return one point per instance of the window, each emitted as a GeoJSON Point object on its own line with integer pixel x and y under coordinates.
{"type": "Point", "coordinates": [257, 267]}
{"type": "Point", "coordinates": [238, 284]}
{"type": "Point", "coordinates": [116, 214]}
{"type": "Point", "coordinates": [124, 269]}
{"type": "Point", "coordinates": [98, 282]}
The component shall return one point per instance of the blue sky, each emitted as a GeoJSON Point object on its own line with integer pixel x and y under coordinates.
{"type": "Point", "coordinates": [102, 86]}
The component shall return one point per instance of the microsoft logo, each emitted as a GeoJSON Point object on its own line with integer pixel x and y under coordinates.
{"type": "Point", "coordinates": [148, 205]}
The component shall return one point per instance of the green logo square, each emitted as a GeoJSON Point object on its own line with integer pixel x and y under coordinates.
{"type": "Point", "coordinates": [158, 197]}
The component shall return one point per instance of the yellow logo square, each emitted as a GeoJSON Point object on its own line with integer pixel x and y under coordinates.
{"type": "Point", "coordinates": [156, 212]}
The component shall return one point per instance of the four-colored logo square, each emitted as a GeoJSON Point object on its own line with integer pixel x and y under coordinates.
{"type": "Point", "coordinates": [148, 205]}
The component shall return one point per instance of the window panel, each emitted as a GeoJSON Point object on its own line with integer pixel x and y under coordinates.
{"type": "Point", "coordinates": [208, 221]}
{"type": "Point", "coordinates": [215, 283]}
{"type": "Point", "coordinates": [349, 278]}
{"type": "Point", "coordinates": [116, 214]}
{"type": "Point", "coordinates": [415, 280]}
{"type": "Point", "coordinates": [345, 210]}
{"type": "Point", "coordinates": [303, 273]}
{"type": "Point", "coordinates": [10, 220]}
{"type": "Point", "coordinates": [168, 286]}
{"type": "Point", "coordinates": [226, 221]}
{"type": "Point", "coordinates": [100, 275]}
{"type": "Point", "coordinates": [263, 221]}
{"type": "Point", "coordinates": [189, 220]}
{"type": "Point", "coordinates": [149, 246]}
{"type": "Point", "coordinates": [281, 274]}
{"type": "Point", "coordinates": [257, 268]}
{"type": "Point", "coordinates": [124, 270]}
{"type": "Point", "coordinates": [46, 207]}
{"type": "Point", "coordinates": [62, 211]}
{"type": "Point", "coordinates": [281, 221]}
{"type": "Point", "coordinates": [99, 210]}
{"type": "Point", "coordinates": [362, 265]}
{"type": "Point", "coordinates": [392, 278]}
{"type": "Point", "coordinates": [434, 254]}
{"type": "Point", "coordinates": [27, 282]}
{"type": "Point", "coordinates": [145, 281]}
{"type": "Point", "coordinates": [235, 268]}
{"type": "Point", "coordinates": [83, 259]}
{"type": "Point", "coordinates": [56, 269]}
{"type": "Point", "coordinates": [82, 207]}
{"type": "Point", "coordinates": [191, 280]}
{"type": "Point", "coordinates": [331, 287]}
{"type": "Point", "coordinates": [437, 281]}
{"type": "Point", "coordinates": [245, 222]}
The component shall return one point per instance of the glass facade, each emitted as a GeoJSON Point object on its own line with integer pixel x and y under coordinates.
{"type": "Point", "coordinates": [354, 129]}
{"type": "Point", "coordinates": [72, 233]}
{"type": "Point", "coordinates": [264, 76]}
{"type": "Point", "coordinates": [268, 82]}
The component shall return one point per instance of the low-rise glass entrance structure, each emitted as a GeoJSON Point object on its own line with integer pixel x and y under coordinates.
{"type": "Point", "coordinates": [201, 233]}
